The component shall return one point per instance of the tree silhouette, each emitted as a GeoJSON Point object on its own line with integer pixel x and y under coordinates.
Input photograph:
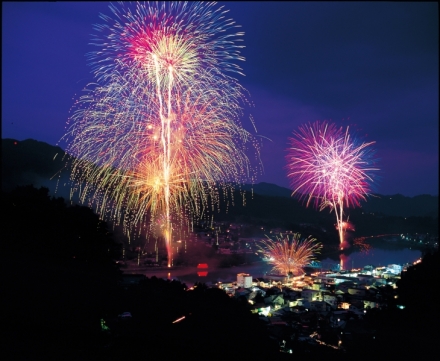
{"type": "Point", "coordinates": [60, 266]}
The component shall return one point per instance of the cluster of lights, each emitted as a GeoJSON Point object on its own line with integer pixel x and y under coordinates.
{"type": "Point", "coordinates": [315, 336]}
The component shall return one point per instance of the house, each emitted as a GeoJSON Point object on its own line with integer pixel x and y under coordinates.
{"type": "Point", "coordinates": [325, 278]}
{"type": "Point", "coordinates": [230, 291]}
{"type": "Point", "coordinates": [379, 271]}
{"type": "Point", "coordinates": [344, 286]}
{"type": "Point", "coordinates": [318, 306]}
{"type": "Point", "coordinates": [244, 280]}
{"type": "Point", "coordinates": [290, 294]}
{"type": "Point", "coordinates": [366, 279]}
{"type": "Point", "coordinates": [368, 269]}
{"type": "Point", "coordinates": [261, 309]}
{"type": "Point", "coordinates": [331, 300]}
{"type": "Point", "coordinates": [262, 282]}
{"type": "Point", "coordinates": [302, 302]}
{"type": "Point", "coordinates": [276, 301]}
{"type": "Point", "coordinates": [340, 279]}
{"type": "Point", "coordinates": [254, 295]}
{"type": "Point", "coordinates": [359, 292]}
{"type": "Point", "coordinates": [371, 304]}
{"type": "Point", "coordinates": [340, 293]}
{"type": "Point", "coordinates": [394, 268]}
{"type": "Point", "coordinates": [309, 295]}
{"type": "Point", "coordinates": [388, 275]}
{"type": "Point", "coordinates": [317, 286]}
{"type": "Point", "coordinates": [293, 303]}
{"type": "Point", "coordinates": [225, 285]}
{"type": "Point", "coordinates": [242, 292]}
{"type": "Point", "coordinates": [259, 289]}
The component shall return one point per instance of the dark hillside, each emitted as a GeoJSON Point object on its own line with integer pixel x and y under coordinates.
{"type": "Point", "coordinates": [30, 162]}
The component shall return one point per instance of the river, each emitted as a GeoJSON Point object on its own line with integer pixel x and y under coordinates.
{"type": "Point", "coordinates": [190, 275]}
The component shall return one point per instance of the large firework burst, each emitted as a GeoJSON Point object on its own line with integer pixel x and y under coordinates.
{"type": "Point", "coordinates": [289, 255]}
{"type": "Point", "coordinates": [160, 129]}
{"type": "Point", "coordinates": [328, 167]}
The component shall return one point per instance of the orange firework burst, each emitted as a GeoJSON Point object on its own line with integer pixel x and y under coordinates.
{"type": "Point", "coordinates": [362, 244]}
{"type": "Point", "coordinates": [289, 256]}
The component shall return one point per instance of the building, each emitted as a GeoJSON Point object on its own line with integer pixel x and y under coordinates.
{"type": "Point", "coordinates": [331, 300]}
{"type": "Point", "coordinates": [359, 292]}
{"type": "Point", "coordinates": [371, 304]}
{"type": "Point", "coordinates": [244, 280]}
{"type": "Point", "coordinates": [366, 279]}
{"type": "Point", "coordinates": [309, 295]}
{"type": "Point", "coordinates": [394, 268]}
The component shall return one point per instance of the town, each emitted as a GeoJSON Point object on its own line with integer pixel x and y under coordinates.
{"type": "Point", "coordinates": [319, 308]}
{"type": "Point", "coordinates": [315, 308]}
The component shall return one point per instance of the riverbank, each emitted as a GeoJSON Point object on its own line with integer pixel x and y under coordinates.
{"type": "Point", "coordinates": [376, 256]}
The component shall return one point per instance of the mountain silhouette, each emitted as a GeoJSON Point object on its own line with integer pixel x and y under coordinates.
{"type": "Point", "coordinates": [41, 164]}
{"type": "Point", "coordinates": [33, 162]}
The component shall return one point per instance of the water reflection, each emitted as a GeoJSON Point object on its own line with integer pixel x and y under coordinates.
{"type": "Point", "coordinates": [190, 275]}
{"type": "Point", "coordinates": [375, 256]}
{"type": "Point", "coordinates": [378, 257]}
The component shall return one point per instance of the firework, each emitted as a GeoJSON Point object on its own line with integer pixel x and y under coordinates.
{"type": "Point", "coordinates": [362, 244]}
{"type": "Point", "coordinates": [329, 168]}
{"type": "Point", "coordinates": [289, 256]}
{"type": "Point", "coordinates": [160, 130]}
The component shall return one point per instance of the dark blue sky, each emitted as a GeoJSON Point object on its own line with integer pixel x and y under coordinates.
{"type": "Point", "coordinates": [371, 65]}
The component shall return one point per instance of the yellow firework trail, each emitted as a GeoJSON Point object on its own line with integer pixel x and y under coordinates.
{"type": "Point", "coordinates": [160, 131]}
{"type": "Point", "coordinates": [289, 255]}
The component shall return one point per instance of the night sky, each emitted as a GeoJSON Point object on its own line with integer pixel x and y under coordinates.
{"type": "Point", "coordinates": [370, 65]}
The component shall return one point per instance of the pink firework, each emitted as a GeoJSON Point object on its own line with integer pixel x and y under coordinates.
{"type": "Point", "coordinates": [328, 168]}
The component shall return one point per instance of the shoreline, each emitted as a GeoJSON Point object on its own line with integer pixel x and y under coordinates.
{"type": "Point", "coordinates": [211, 275]}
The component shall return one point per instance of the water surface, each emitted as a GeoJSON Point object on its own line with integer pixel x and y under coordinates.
{"type": "Point", "coordinates": [375, 256]}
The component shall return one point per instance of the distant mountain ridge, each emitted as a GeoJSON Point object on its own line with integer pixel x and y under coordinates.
{"type": "Point", "coordinates": [423, 205]}
{"type": "Point", "coordinates": [34, 162]}
{"type": "Point", "coordinates": [267, 189]}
